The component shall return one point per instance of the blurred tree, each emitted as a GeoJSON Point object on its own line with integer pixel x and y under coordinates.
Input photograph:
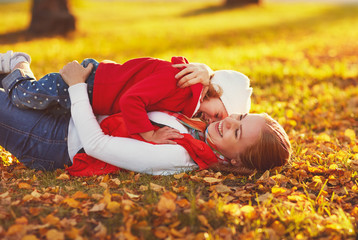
{"type": "Point", "coordinates": [51, 17]}
{"type": "Point", "coordinates": [233, 3]}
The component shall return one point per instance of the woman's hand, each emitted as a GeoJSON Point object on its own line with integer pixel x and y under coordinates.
{"type": "Point", "coordinates": [193, 73]}
{"type": "Point", "coordinates": [162, 135]}
{"type": "Point", "coordinates": [73, 73]}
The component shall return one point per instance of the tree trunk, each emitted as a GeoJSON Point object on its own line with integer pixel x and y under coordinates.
{"type": "Point", "coordinates": [232, 3]}
{"type": "Point", "coordinates": [51, 17]}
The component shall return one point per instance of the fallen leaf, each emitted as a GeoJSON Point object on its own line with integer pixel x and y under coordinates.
{"type": "Point", "coordinates": [156, 187]}
{"type": "Point", "coordinates": [211, 180]}
{"type": "Point", "coordinates": [71, 202]}
{"type": "Point", "coordinates": [53, 234]}
{"type": "Point", "coordinates": [29, 237]}
{"type": "Point", "coordinates": [166, 203]}
{"type": "Point", "coordinates": [113, 207]}
{"type": "Point", "coordinates": [203, 221]}
{"type": "Point", "coordinates": [350, 133]}
{"type": "Point", "coordinates": [23, 185]}
{"type": "Point", "coordinates": [80, 195]}
{"type": "Point", "coordinates": [98, 207]}
{"type": "Point", "coordinates": [63, 176]}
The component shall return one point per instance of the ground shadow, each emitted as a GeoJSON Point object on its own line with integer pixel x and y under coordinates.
{"type": "Point", "coordinates": [25, 36]}
{"type": "Point", "coordinates": [213, 9]}
{"type": "Point", "coordinates": [16, 37]}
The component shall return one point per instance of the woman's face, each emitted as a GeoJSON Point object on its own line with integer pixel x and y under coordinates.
{"type": "Point", "coordinates": [235, 133]}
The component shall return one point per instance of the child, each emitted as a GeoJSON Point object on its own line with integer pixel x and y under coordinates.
{"type": "Point", "coordinates": [133, 88]}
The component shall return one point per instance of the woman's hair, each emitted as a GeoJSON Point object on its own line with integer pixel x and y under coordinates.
{"type": "Point", "coordinates": [273, 149]}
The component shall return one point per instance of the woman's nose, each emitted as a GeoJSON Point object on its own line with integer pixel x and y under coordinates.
{"type": "Point", "coordinates": [231, 122]}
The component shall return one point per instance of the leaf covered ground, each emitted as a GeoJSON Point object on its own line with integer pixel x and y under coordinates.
{"type": "Point", "coordinates": [303, 64]}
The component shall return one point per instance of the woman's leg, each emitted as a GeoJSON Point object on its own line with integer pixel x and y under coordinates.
{"type": "Point", "coordinates": [36, 138]}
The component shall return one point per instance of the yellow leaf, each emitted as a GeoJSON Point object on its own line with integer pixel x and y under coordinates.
{"type": "Point", "coordinates": [53, 234]}
{"type": "Point", "coordinates": [183, 203]}
{"type": "Point", "coordinates": [132, 196]}
{"type": "Point", "coordinates": [50, 219]}
{"type": "Point", "coordinates": [156, 187]}
{"type": "Point", "coordinates": [29, 237]}
{"type": "Point", "coordinates": [73, 233]}
{"type": "Point", "coordinates": [166, 204]}
{"type": "Point", "coordinates": [212, 180]}
{"type": "Point", "coordinates": [113, 207]}
{"type": "Point", "coordinates": [323, 137]}
{"type": "Point", "coordinates": [79, 194]}
{"type": "Point", "coordinates": [179, 176]}
{"type": "Point", "coordinates": [333, 166]}
{"type": "Point", "coordinates": [232, 209]}
{"type": "Point", "coordinates": [350, 134]}
{"type": "Point", "coordinates": [71, 202]}
{"type": "Point", "coordinates": [355, 149]}
{"type": "Point", "coordinates": [278, 190]}
{"type": "Point", "coordinates": [63, 176]}
{"type": "Point", "coordinates": [248, 211]}
{"type": "Point", "coordinates": [24, 185]}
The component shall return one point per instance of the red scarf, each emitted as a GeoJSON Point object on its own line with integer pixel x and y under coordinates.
{"type": "Point", "coordinates": [85, 165]}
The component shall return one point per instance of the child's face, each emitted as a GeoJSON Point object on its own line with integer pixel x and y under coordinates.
{"type": "Point", "coordinates": [212, 110]}
{"type": "Point", "coordinates": [234, 134]}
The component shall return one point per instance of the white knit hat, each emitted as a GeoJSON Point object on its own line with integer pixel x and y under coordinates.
{"type": "Point", "coordinates": [236, 88]}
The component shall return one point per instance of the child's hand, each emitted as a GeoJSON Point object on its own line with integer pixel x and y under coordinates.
{"type": "Point", "coordinates": [162, 135]}
{"type": "Point", "coordinates": [73, 73]}
{"type": "Point", "coordinates": [193, 73]}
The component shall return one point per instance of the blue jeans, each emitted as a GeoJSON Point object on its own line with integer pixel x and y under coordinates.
{"type": "Point", "coordinates": [38, 139]}
{"type": "Point", "coordinates": [50, 92]}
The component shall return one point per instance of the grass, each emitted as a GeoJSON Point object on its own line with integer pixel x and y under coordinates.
{"type": "Point", "coordinates": [303, 64]}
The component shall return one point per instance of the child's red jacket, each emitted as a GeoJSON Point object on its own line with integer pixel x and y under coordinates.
{"type": "Point", "coordinates": [140, 86]}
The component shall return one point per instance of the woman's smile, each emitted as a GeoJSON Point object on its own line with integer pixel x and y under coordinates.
{"type": "Point", "coordinates": [219, 128]}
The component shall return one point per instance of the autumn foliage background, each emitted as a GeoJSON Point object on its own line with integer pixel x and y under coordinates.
{"type": "Point", "coordinates": [302, 60]}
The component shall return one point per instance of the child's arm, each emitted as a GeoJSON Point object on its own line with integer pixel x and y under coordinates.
{"type": "Point", "coordinates": [73, 73]}
{"type": "Point", "coordinates": [193, 73]}
{"type": "Point", "coordinates": [162, 135]}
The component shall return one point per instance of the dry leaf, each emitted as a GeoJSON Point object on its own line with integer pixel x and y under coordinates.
{"type": "Point", "coordinates": [53, 234]}
{"type": "Point", "coordinates": [211, 180]}
{"type": "Point", "coordinates": [114, 207]}
{"type": "Point", "coordinates": [24, 185]}
{"type": "Point", "coordinates": [156, 187]}
{"type": "Point", "coordinates": [63, 176]}
{"type": "Point", "coordinates": [98, 207]}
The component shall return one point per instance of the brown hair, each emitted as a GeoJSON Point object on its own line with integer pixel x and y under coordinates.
{"type": "Point", "coordinates": [213, 91]}
{"type": "Point", "coordinates": [273, 149]}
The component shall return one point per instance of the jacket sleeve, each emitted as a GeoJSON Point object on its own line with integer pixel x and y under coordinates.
{"type": "Point", "coordinates": [122, 152]}
{"type": "Point", "coordinates": [136, 102]}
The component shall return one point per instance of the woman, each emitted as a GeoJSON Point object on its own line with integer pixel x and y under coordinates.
{"type": "Point", "coordinates": [40, 140]}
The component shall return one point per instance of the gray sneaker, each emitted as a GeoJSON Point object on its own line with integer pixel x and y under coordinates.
{"type": "Point", "coordinates": [9, 59]}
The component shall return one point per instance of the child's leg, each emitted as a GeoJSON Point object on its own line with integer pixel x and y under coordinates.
{"type": "Point", "coordinates": [49, 92]}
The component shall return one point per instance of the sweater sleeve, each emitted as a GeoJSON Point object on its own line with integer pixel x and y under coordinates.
{"type": "Point", "coordinates": [125, 153]}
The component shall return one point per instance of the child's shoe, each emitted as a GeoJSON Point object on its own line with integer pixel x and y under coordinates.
{"type": "Point", "coordinates": [9, 60]}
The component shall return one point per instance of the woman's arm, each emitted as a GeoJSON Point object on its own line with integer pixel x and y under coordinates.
{"type": "Point", "coordinates": [193, 73]}
{"type": "Point", "coordinates": [125, 153]}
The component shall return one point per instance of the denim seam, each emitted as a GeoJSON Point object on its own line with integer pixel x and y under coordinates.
{"type": "Point", "coordinates": [34, 136]}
